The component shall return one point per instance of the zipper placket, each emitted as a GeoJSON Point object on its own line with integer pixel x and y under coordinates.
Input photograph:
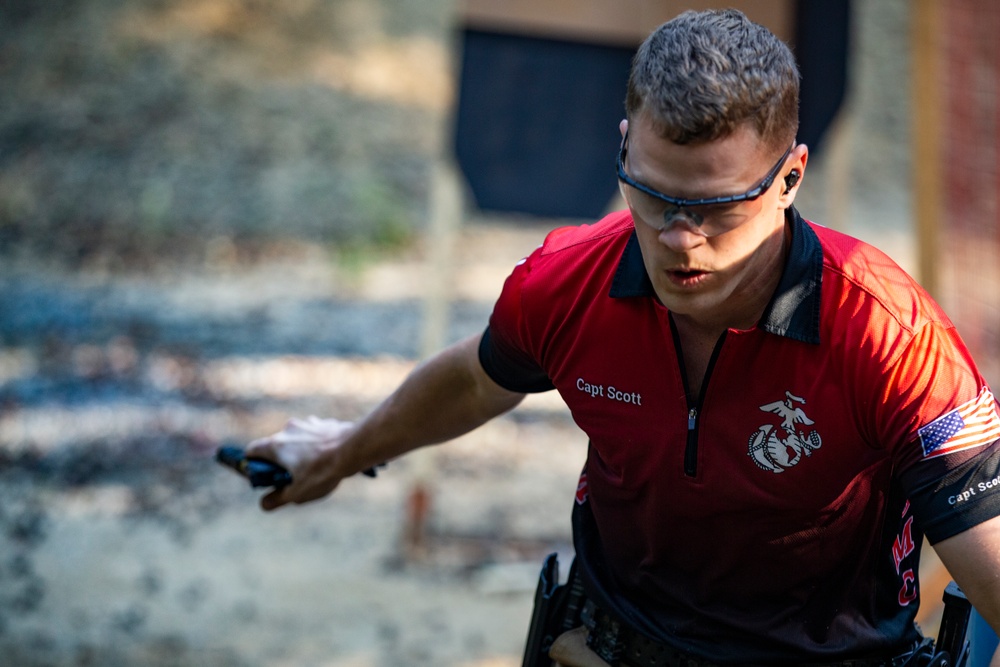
{"type": "Point", "coordinates": [694, 406]}
{"type": "Point", "coordinates": [691, 448]}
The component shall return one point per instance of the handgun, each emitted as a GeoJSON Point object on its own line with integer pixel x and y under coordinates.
{"type": "Point", "coordinates": [558, 609]}
{"type": "Point", "coordinates": [953, 633]}
{"type": "Point", "coordinates": [261, 472]}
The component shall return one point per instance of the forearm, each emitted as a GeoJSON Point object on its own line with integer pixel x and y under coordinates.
{"type": "Point", "coordinates": [443, 398]}
{"type": "Point", "coordinates": [973, 560]}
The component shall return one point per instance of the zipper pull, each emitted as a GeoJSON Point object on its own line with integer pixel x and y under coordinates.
{"type": "Point", "coordinates": [691, 449]}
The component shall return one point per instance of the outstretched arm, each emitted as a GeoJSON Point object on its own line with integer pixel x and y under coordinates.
{"type": "Point", "coordinates": [443, 398]}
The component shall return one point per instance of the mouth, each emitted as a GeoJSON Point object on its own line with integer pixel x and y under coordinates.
{"type": "Point", "coordinates": [686, 277]}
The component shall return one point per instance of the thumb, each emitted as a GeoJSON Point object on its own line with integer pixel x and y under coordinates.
{"type": "Point", "coordinates": [570, 650]}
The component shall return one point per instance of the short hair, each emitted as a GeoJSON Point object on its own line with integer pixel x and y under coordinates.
{"type": "Point", "coordinates": [702, 75]}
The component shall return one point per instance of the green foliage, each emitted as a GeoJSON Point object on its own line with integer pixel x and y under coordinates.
{"type": "Point", "coordinates": [152, 126]}
{"type": "Point", "coordinates": [385, 212]}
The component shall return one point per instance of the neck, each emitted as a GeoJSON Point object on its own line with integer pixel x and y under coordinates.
{"type": "Point", "coordinates": [745, 306]}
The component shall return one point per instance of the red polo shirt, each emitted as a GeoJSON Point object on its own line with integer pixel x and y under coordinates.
{"type": "Point", "coordinates": [778, 515]}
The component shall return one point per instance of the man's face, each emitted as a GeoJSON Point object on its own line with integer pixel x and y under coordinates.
{"type": "Point", "coordinates": [710, 270]}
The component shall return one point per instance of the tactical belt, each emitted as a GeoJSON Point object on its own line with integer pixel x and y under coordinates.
{"type": "Point", "coordinates": [621, 646]}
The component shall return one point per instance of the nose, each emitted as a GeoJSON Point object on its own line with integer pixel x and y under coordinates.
{"type": "Point", "coordinates": [680, 233]}
{"type": "Point", "coordinates": [673, 214]}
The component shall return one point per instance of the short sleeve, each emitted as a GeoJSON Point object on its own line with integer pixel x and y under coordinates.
{"type": "Point", "coordinates": [505, 350]}
{"type": "Point", "coordinates": [937, 405]}
{"type": "Point", "coordinates": [510, 368]}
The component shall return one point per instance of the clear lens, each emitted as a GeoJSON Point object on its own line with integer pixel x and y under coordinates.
{"type": "Point", "coordinates": [710, 220]}
{"type": "Point", "coordinates": [660, 215]}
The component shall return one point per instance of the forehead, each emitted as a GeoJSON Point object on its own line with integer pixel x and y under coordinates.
{"type": "Point", "coordinates": [728, 165]}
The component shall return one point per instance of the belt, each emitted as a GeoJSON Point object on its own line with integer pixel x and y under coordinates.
{"type": "Point", "coordinates": [621, 646]}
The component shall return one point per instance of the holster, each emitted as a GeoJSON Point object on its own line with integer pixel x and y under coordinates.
{"type": "Point", "coordinates": [952, 640]}
{"type": "Point", "coordinates": [560, 608]}
{"type": "Point", "coordinates": [557, 610]}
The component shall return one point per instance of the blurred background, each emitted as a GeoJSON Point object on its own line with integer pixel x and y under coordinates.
{"type": "Point", "coordinates": [215, 214]}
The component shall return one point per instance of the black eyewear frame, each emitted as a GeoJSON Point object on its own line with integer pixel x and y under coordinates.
{"type": "Point", "coordinates": [753, 193]}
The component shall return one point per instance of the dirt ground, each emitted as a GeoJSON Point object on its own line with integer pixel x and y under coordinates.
{"type": "Point", "coordinates": [191, 198]}
{"type": "Point", "coordinates": [125, 544]}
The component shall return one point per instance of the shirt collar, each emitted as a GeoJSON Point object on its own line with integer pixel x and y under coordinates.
{"type": "Point", "coordinates": [793, 311]}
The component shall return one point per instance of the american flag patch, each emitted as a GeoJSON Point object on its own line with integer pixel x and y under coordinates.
{"type": "Point", "coordinates": [970, 425]}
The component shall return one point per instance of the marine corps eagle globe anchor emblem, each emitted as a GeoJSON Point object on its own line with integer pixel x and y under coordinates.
{"type": "Point", "coordinates": [772, 452]}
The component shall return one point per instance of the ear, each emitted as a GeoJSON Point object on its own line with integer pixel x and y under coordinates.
{"type": "Point", "coordinates": [623, 127]}
{"type": "Point", "coordinates": [793, 173]}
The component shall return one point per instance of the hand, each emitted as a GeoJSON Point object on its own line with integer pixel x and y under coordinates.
{"type": "Point", "coordinates": [308, 449]}
{"type": "Point", "coordinates": [570, 650]}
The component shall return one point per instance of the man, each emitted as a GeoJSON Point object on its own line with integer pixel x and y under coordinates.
{"type": "Point", "coordinates": [777, 413]}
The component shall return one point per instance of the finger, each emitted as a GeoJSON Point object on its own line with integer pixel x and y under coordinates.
{"type": "Point", "coordinates": [259, 445]}
{"type": "Point", "coordinates": [324, 428]}
{"type": "Point", "coordinates": [266, 448]}
{"type": "Point", "coordinates": [273, 500]}
{"type": "Point", "coordinates": [299, 424]}
{"type": "Point", "coordinates": [311, 427]}
{"type": "Point", "coordinates": [267, 444]}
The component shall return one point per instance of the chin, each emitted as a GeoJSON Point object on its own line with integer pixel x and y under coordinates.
{"type": "Point", "coordinates": [708, 299]}
{"type": "Point", "coordinates": [689, 304]}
